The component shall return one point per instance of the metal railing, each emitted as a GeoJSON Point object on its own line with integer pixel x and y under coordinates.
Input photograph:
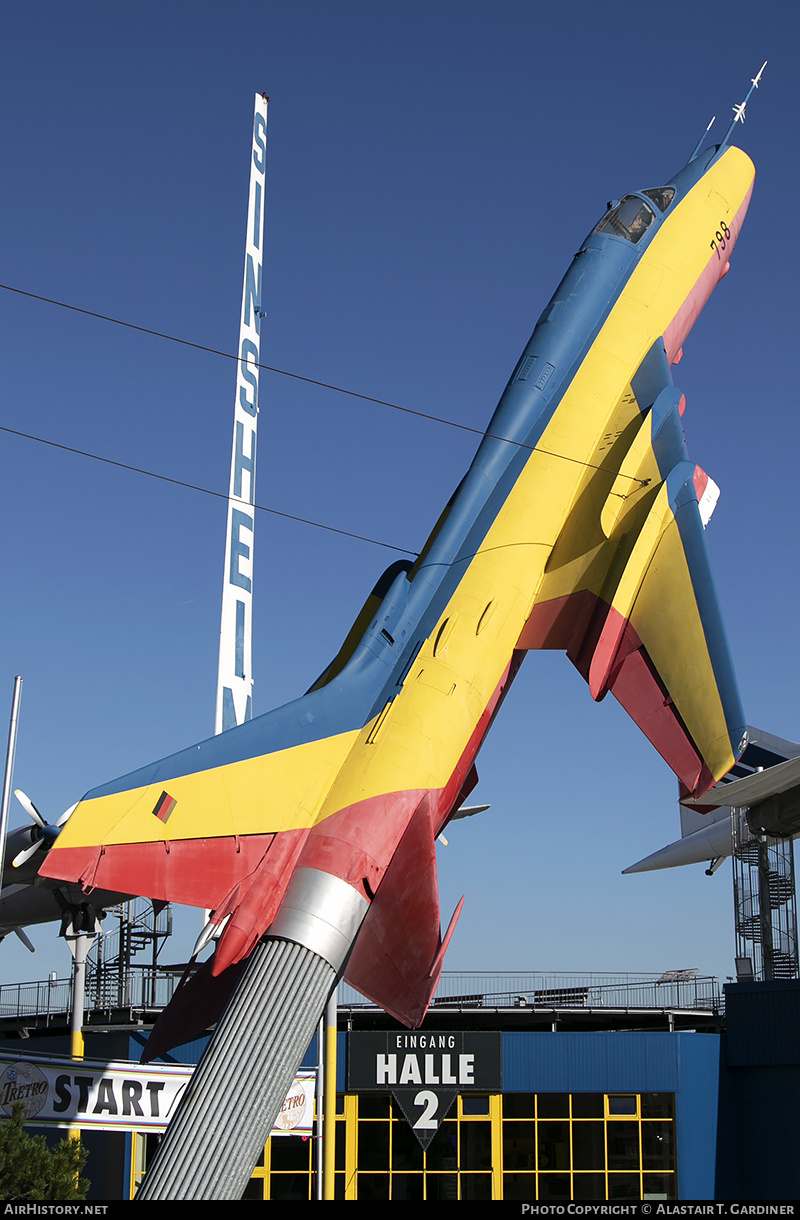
{"type": "Point", "coordinates": [148, 989]}
{"type": "Point", "coordinates": [677, 990]}
{"type": "Point", "coordinates": [142, 989]}
{"type": "Point", "coordinates": [47, 998]}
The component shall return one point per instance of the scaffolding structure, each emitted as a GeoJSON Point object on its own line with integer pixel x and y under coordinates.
{"type": "Point", "coordinates": [765, 903]}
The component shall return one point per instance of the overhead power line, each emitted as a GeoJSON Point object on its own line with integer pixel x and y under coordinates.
{"type": "Point", "coordinates": [325, 385]}
{"type": "Point", "coordinates": [206, 491]}
{"type": "Point", "coordinates": [269, 368]}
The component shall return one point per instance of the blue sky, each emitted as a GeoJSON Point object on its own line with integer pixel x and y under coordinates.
{"type": "Point", "coordinates": [431, 169]}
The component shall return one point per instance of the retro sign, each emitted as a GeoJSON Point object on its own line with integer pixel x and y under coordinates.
{"type": "Point", "coordinates": [119, 1096]}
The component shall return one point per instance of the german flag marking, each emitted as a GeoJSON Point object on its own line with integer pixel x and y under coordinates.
{"type": "Point", "coordinates": [164, 806]}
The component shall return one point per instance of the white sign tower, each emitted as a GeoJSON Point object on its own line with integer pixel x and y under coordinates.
{"type": "Point", "coordinates": [235, 678]}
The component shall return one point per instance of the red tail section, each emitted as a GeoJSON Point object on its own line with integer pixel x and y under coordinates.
{"type": "Point", "coordinates": [399, 953]}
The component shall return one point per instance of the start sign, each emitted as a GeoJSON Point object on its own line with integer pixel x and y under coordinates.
{"type": "Point", "coordinates": [55, 1091]}
{"type": "Point", "coordinates": [424, 1072]}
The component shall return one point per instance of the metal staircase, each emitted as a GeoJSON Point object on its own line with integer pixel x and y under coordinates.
{"type": "Point", "coordinates": [764, 903]}
{"type": "Point", "coordinates": [138, 928]}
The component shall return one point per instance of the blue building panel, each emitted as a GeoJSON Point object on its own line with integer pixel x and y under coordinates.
{"type": "Point", "coordinates": [763, 1026]}
{"type": "Point", "coordinates": [685, 1064]}
{"type": "Point", "coordinates": [591, 1063]}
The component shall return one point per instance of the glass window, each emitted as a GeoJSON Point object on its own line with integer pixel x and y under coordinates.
{"type": "Point", "coordinates": [407, 1186]}
{"type": "Point", "coordinates": [631, 218]}
{"type": "Point", "coordinates": [553, 1105]}
{"type": "Point", "coordinates": [373, 1145]}
{"type": "Point", "coordinates": [661, 196]}
{"type": "Point", "coordinates": [554, 1186]}
{"type": "Point", "coordinates": [407, 1150]}
{"type": "Point", "coordinates": [587, 1105]}
{"type": "Point", "coordinates": [622, 1105]}
{"type": "Point", "coordinates": [623, 1145]}
{"type": "Point", "coordinates": [658, 1186]}
{"type": "Point", "coordinates": [443, 1148]}
{"type": "Point", "coordinates": [441, 1186]}
{"type": "Point", "coordinates": [476, 1146]}
{"type": "Point", "coordinates": [374, 1105]}
{"type": "Point", "coordinates": [550, 1146]}
{"type": "Point", "coordinates": [658, 1148]}
{"type": "Point", "coordinates": [474, 1104]}
{"type": "Point", "coordinates": [289, 1186]}
{"type": "Point", "coordinates": [657, 1105]}
{"type": "Point", "coordinates": [589, 1146]}
{"type": "Point", "coordinates": [290, 1152]}
{"type": "Point", "coordinates": [519, 1105]}
{"type": "Point", "coordinates": [589, 1186]}
{"type": "Point", "coordinates": [476, 1186]}
{"type": "Point", "coordinates": [523, 1186]}
{"type": "Point", "coordinates": [373, 1186]}
{"type": "Point", "coordinates": [623, 1186]}
{"type": "Point", "coordinates": [553, 1145]}
{"type": "Point", "coordinates": [519, 1145]}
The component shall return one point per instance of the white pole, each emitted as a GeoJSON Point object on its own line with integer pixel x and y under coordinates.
{"type": "Point", "coordinates": [9, 772]}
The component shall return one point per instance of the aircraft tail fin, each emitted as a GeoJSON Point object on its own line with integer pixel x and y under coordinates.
{"type": "Point", "coordinates": [398, 957]}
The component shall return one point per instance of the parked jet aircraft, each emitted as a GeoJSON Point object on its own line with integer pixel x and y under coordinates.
{"type": "Point", "coordinates": [765, 781]}
{"type": "Point", "coordinates": [578, 527]}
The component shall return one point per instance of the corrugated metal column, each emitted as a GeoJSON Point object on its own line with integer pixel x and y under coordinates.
{"type": "Point", "coordinates": [222, 1123]}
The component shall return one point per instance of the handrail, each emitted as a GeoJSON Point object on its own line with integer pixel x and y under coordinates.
{"type": "Point", "coordinates": [148, 988]}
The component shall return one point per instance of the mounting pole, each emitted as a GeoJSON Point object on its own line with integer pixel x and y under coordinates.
{"type": "Point", "coordinates": [9, 772]}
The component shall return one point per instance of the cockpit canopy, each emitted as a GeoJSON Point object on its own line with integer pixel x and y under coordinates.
{"type": "Point", "coordinates": [632, 217]}
{"type": "Point", "coordinates": [661, 196]}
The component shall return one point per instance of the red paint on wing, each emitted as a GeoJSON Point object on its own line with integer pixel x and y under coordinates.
{"type": "Point", "coordinates": [616, 642]}
{"type": "Point", "coordinates": [640, 692]}
{"type": "Point", "coordinates": [197, 872]}
{"type": "Point", "coordinates": [253, 902]}
{"type": "Point", "coordinates": [607, 651]}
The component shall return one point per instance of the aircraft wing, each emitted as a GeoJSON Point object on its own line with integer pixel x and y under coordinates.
{"type": "Point", "coordinates": [752, 789]}
{"type": "Point", "coordinates": [628, 590]}
{"type": "Point", "coordinates": [192, 827]}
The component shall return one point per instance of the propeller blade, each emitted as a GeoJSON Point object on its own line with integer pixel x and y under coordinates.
{"type": "Point", "coordinates": [23, 856]}
{"type": "Point", "coordinates": [65, 817]}
{"type": "Point", "coordinates": [29, 807]}
{"type": "Point", "coordinates": [25, 940]}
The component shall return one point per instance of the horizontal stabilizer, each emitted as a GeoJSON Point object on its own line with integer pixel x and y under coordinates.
{"type": "Point", "coordinates": [399, 952]}
{"type": "Point", "coordinates": [468, 811]}
{"type": "Point", "coordinates": [751, 790]}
